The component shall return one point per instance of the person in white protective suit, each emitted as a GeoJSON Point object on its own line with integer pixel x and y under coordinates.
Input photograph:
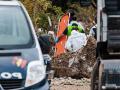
{"type": "Point", "coordinates": [76, 37]}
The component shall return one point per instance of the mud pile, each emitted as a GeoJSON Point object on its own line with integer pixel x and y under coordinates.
{"type": "Point", "coordinates": [78, 64]}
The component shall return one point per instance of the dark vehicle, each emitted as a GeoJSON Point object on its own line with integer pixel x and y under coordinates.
{"type": "Point", "coordinates": [106, 71]}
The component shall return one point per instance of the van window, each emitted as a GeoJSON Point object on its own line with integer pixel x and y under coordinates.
{"type": "Point", "coordinates": [14, 28]}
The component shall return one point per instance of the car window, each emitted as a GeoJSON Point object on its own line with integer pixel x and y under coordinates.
{"type": "Point", "coordinates": [14, 28]}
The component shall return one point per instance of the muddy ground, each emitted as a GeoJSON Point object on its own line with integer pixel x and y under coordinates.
{"type": "Point", "coordinates": [78, 64]}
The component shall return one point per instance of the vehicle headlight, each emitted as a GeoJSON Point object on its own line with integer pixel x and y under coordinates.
{"type": "Point", "coordinates": [36, 72]}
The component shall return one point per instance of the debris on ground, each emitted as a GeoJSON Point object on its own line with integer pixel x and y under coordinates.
{"type": "Point", "coordinates": [69, 83]}
{"type": "Point", "coordinates": [78, 64]}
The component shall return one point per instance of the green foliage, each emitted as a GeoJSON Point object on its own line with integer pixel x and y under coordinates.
{"type": "Point", "coordinates": [39, 10]}
{"type": "Point", "coordinates": [42, 21]}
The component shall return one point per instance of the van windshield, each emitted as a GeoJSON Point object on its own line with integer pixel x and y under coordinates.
{"type": "Point", "coordinates": [14, 28]}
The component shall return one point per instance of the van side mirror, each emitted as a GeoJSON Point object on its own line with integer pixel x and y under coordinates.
{"type": "Point", "coordinates": [45, 44]}
{"type": "Point", "coordinates": [85, 3]}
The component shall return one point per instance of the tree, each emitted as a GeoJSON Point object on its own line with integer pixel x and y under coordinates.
{"type": "Point", "coordinates": [39, 11]}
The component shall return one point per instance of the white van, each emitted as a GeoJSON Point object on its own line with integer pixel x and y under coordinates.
{"type": "Point", "coordinates": [22, 65]}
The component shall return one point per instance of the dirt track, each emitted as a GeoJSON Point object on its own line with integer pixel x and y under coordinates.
{"type": "Point", "coordinates": [70, 84]}
{"type": "Point", "coordinates": [70, 87]}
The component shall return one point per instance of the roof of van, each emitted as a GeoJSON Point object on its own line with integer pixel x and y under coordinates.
{"type": "Point", "coordinates": [10, 2]}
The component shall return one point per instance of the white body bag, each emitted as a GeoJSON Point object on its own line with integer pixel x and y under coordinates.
{"type": "Point", "coordinates": [76, 41]}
